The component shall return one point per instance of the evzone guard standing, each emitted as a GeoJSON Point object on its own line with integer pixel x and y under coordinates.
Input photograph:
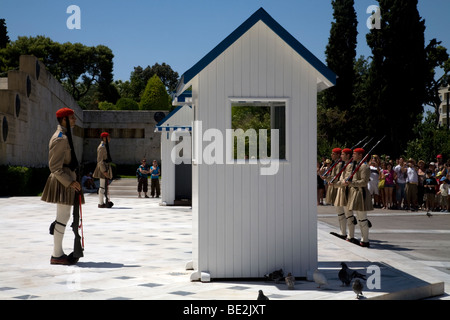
{"type": "Point", "coordinates": [103, 170]}
{"type": "Point", "coordinates": [62, 186]}
{"type": "Point", "coordinates": [345, 215]}
{"type": "Point", "coordinates": [330, 196]}
{"type": "Point", "coordinates": [359, 199]}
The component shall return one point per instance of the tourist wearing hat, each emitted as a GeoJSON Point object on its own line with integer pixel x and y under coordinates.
{"type": "Point", "coordinates": [103, 170]}
{"type": "Point", "coordinates": [432, 167]}
{"type": "Point", "coordinates": [345, 216]}
{"type": "Point", "coordinates": [62, 185]}
{"type": "Point", "coordinates": [439, 160]}
{"type": "Point", "coordinates": [444, 189]}
{"type": "Point", "coordinates": [412, 183]}
{"type": "Point", "coordinates": [359, 199]}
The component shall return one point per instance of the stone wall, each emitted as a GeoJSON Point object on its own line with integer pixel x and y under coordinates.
{"type": "Point", "coordinates": [29, 99]}
{"type": "Point", "coordinates": [132, 135]}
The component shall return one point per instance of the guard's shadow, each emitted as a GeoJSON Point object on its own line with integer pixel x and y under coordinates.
{"type": "Point", "coordinates": [104, 265]}
{"type": "Point", "coordinates": [385, 245]}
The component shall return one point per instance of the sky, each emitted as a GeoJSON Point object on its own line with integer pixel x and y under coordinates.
{"type": "Point", "coordinates": [180, 33]}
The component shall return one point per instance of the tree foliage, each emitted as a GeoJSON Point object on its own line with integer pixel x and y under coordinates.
{"type": "Point", "coordinates": [340, 54]}
{"type": "Point", "coordinates": [134, 88]}
{"type": "Point", "coordinates": [390, 88]}
{"type": "Point", "coordinates": [437, 58]}
{"type": "Point", "coordinates": [4, 38]}
{"type": "Point", "coordinates": [127, 104]}
{"type": "Point", "coordinates": [335, 104]}
{"type": "Point", "coordinates": [429, 140]}
{"type": "Point", "coordinates": [76, 66]}
{"type": "Point", "coordinates": [398, 71]}
{"type": "Point", "coordinates": [155, 96]}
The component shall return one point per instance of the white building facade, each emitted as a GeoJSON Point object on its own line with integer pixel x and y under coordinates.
{"type": "Point", "coordinates": [444, 110]}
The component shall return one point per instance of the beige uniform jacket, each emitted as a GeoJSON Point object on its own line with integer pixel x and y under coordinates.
{"type": "Point", "coordinates": [342, 192]}
{"type": "Point", "coordinates": [359, 198]}
{"type": "Point", "coordinates": [330, 197]}
{"type": "Point", "coordinates": [57, 188]}
{"type": "Point", "coordinates": [102, 165]}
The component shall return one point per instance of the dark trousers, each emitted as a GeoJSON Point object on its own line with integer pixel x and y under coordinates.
{"type": "Point", "coordinates": [143, 184]}
{"type": "Point", "coordinates": [155, 187]}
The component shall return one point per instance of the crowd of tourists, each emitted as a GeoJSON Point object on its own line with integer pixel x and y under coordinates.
{"type": "Point", "coordinates": [400, 184]}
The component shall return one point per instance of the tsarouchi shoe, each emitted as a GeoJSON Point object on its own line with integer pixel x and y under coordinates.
{"type": "Point", "coordinates": [60, 260]}
{"type": "Point", "coordinates": [364, 244]}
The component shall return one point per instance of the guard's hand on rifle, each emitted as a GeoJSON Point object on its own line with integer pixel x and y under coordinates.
{"type": "Point", "coordinates": [75, 185]}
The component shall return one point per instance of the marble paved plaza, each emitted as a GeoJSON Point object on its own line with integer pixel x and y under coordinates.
{"type": "Point", "coordinates": [139, 249]}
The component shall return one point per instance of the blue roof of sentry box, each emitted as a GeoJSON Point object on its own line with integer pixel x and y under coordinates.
{"type": "Point", "coordinates": [262, 15]}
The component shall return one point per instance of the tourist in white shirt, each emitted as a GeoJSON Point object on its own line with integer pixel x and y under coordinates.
{"type": "Point", "coordinates": [400, 171]}
{"type": "Point", "coordinates": [412, 182]}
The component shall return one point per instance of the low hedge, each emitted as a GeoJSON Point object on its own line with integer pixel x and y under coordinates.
{"type": "Point", "coordinates": [24, 181]}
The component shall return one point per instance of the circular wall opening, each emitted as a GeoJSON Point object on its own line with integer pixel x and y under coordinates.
{"type": "Point", "coordinates": [28, 86]}
{"type": "Point", "coordinates": [5, 129]}
{"type": "Point", "coordinates": [17, 105]}
{"type": "Point", "coordinates": [38, 69]}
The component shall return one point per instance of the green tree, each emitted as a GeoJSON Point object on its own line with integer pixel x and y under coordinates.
{"type": "Point", "coordinates": [398, 72]}
{"type": "Point", "coordinates": [76, 66]}
{"type": "Point", "coordinates": [335, 114]}
{"type": "Point", "coordinates": [429, 140]}
{"type": "Point", "coordinates": [341, 53]}
{"type": "Point", "coordinates": [155, 96]}
{"type": "Point", "coordinates": [139, 78]}
{"type": "Point", "coordinates": [251, 117]}
{"type": "Point", "coordinates": [437, 58]}
{"type": "Point", "coordinates": [127, 104]}
{"type": "Point", "coordinates": [105, 105]}
{"type": "Point", "coordinates": [4, 38]}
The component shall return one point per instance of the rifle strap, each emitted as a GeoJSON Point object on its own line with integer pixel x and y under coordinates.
{"type": "Point", "coordinates": [73, 157]}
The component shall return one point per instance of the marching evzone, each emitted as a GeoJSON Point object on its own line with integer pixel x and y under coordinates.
{"type": "Point", "coordinates": [330, 196]}
{"type": "Point", "coordinates": [62, 186]}
{"type": "Point", "coordinates": [103, 170]}
{"type": "Point", "coordinates": [345, 215]}
{"type": "Point", "coordinates": [359, 199]}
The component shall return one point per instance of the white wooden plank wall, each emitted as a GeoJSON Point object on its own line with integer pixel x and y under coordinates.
{"type": "Point", "coordinates": [250, 224]}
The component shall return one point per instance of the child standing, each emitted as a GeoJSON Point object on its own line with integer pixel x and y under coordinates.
{"type": "Point", "coordinates": [443, 191]}
{"type": "Point", "coordinates": [429, 185]}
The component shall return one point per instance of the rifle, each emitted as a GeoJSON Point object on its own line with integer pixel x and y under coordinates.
{"type": "Point", "coordinates": [337, 161]}
{"type": "Point", "coordinates": [363, 160]}
{"type": "Point", "coordinates": [351, 159]}
{"type": "Point", "coordinates": [108, 203]}
{"type": "Point", "coordinates": [74, 166]}
{"type": "Point", "coordinates": [361, 142]}
{"type": "Point", "coordinates": [78, 245]}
